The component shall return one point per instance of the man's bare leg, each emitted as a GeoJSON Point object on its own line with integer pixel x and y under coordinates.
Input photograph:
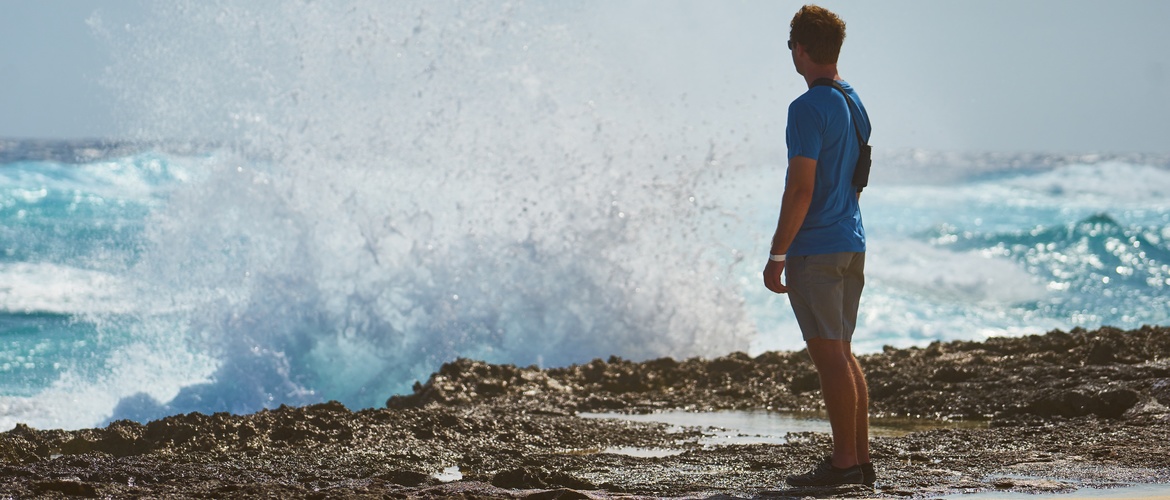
{"type": "Point", "coordinates": [834, 363]}
{"type": "Point", "coordinates": [861, 424]}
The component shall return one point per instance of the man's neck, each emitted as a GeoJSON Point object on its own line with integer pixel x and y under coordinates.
{"type": "Point", "coordinates": [817, 72]}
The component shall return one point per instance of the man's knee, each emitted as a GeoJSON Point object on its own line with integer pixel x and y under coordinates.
{"type": "Point", "coordinates": [830, 353]}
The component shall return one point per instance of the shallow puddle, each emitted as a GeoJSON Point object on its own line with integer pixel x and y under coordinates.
{"type": "Point", "coordinates": [634, 451]}
{"type": "Point", "coordinates": [722, 428]}
{"type": "Point", "coordinates": [448, 474]}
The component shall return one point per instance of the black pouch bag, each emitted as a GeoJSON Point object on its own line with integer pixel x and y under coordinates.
{"type": "Point", "coordinates": [861, 170]}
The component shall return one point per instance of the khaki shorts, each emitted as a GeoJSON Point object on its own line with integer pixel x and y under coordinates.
{"type": "Point", "coordinates": [825, 291]}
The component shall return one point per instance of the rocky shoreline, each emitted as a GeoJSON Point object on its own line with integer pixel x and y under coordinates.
{"type": "Point", "coordinates": [1063, 411]}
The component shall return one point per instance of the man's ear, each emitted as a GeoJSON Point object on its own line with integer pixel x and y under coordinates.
{"type": "Point", "coordinates": [800, 51]}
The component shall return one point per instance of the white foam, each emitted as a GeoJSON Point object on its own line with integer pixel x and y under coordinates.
{"type": "Point", "coordinates": [155, 365]}
{"type": "Point", "coordinates": [51, 288]}
{"type": "Point", "coordinates": [1103, 185]}
{"type": "Point", "coordinates": [940, 274]}
{"type": "Point", "coordinates": [141, 178]}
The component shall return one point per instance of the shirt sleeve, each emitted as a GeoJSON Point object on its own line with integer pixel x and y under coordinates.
{"type": "Point", "coordinates": [804, 134]}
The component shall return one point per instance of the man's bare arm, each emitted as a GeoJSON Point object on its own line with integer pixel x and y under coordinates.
{"type": "Point", "coordinates": [798, 191]}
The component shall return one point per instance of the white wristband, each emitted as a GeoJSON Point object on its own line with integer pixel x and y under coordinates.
{"type": "Point", "coordinates": [778, 257]}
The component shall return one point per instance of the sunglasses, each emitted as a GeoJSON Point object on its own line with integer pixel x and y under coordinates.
{"type": "Point", "coordinates": [791, 45]}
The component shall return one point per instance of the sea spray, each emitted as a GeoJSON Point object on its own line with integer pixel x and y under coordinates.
{"type": "Point", "coordinates": [397, 185]}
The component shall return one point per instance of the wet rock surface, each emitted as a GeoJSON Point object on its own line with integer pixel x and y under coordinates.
{"type": "Point", "coordinates": [1063, 411]}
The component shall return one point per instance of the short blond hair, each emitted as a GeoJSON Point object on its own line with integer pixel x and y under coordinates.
{"type": "Point", "coordinates": [820, 31]}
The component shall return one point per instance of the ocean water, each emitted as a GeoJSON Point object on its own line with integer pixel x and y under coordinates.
{"type": "Point", "coordinates": [319, 202]}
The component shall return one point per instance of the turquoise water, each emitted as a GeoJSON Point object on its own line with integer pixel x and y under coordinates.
{"type": "Point", "coordinates": [130, 293]}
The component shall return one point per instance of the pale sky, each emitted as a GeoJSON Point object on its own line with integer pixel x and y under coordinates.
{"type": "Point", "coordinates": [1075, 76]}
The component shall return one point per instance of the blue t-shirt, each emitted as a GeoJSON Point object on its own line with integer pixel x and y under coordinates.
{"type": "Point", "coordinates": [819, 128]}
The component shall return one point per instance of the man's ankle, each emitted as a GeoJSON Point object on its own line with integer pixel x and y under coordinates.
{"type": "Point", "coordinates": [843, 463]}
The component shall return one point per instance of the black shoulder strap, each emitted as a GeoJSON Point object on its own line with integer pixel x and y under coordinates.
{"type": "Point", "coordinates": [861, 170]}
{"type": "Point", "coordinates": [829, 82]}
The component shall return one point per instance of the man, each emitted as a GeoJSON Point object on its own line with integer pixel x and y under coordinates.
{"type": "Point", "coordinates": [819, 244]}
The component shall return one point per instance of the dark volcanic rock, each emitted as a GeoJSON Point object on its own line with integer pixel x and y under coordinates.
{"type": "Point", "coordinates": [1056, 374]}
{"type": "Point", "coordinates": [1066, 409]}
{"type": "Point", "coordinates": [771, 380]}
{"type": "Point", "coordinates": [1108, 404]}
{"type": "Point", "coordinates": [533, 478]}
{"type": "Point", "coordinates": [407, 478]}
{"type": "Point", "coordinates": [1160, 390]}
{"type": "Point", "coordinates": [71, 488]}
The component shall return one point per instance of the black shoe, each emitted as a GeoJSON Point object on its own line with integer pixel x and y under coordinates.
{"type": "Point", "coordinates": [868, 474]}
{"type": "Point", "coordinates": [827, 475]}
